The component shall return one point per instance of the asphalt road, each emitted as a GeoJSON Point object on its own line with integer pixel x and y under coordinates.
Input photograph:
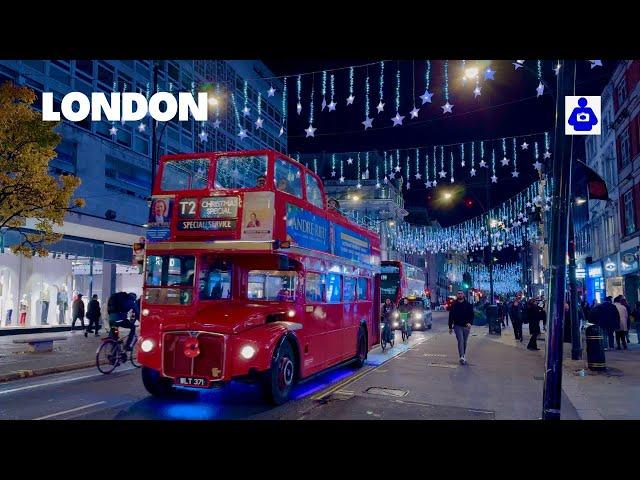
{"type": "Point", "coordinates": [418, 380]}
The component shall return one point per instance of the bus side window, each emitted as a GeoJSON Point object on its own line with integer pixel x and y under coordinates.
{"type": "Point", "coordinates": [349, 294]}
{"type": "Point", "coordinates": [333, 287]}
{"type": "Point", "coordinates": [363, 290]}
{"type": "Point", "coordinates": [314, 287]}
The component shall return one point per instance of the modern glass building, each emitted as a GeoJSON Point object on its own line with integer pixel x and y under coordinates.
{"type": "Point", "coordinates": [114, 163]}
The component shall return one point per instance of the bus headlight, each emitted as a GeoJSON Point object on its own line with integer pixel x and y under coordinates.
{"type": "Point", "coordinates": [146, 346]}
{"type": "Point", "coordinates": [291, 313]}
{"type": "Point", "coordinates": [247, 352]}
{"type": "Point", "coordinates": [417, 315]}
{"type": "Point", "coordinates": [145, 312]}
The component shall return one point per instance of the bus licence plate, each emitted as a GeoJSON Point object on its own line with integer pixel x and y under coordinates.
{"type": "Point", "coordinates": [192, 382]}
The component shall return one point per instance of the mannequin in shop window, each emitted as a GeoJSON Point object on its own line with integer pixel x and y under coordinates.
{"type": "Point", "coordinates": [10, 306]}
{"type": "Point", "coordinates": [24, 306]}
{"type": "Point", "coordinates": [63, 304]}
{"type": "Point", "coordinates": [45, 297]}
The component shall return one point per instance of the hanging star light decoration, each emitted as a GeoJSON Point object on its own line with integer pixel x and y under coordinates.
{"type": "Point", "coordinates": [271, 92]}
{"type": "Point", "coordinates": [418, 176]}
{"type": "Point", "coordinates": [442, 173]}
{"type": "Point", "coordinates": [332, 106]}
{"type": "Point", "coordinates": [483, 163]}
{"type": "Point", "coordinates": [489, 74]}
{"type": "Point", "coordinates": [477, 91]}
{"type": "Point", "coordinates": [596, 63]}
{"type": "Point", "coordinates": [333, 173]}
{"type": "Point", "coordinates": [259, 122]}
{"type": "Point", "coordinates": [349, 161]}
{"type": "Point", "coordinates": [311, 131]}
{"type": "Point", "coordinates": [281, 132]}
{"type": "Point", "coordinates": [556, 69]}
{"type": "Point", "coordinates": [537, 165]}
{"type": "Point", "coordinates": [113, 130]}
{"type": "Point", "coordinates": [518, 64]}
{"type": "Point", "coordinates": [525, 146]}
{"type": "Point", "coordinates": [494, 179]}
{"type": "Point", "coordinates": [397, 120]}
{"type": "Point", "coordinates": [447, 107]}
{"type": "Point", "coordinates": [216, 124]}
{"type": "Point", "coordinates": [515, 174]}
{"type": "Point", "coordinates": [397, 168]}
{"type": "Point", "coordinates": [203, 136]}
{"type": "Point", "coordinates": [540, 89]}
{"type": "Point", "coordinates": [367, 122]}
{"type": "Point", "coordinates": [242, 134]}
{"type": "Point", "coordinates": [504, 161]}
{"type": "Point", "coordinates": [350, 99]}
{"type": "Point", "coordinates": [341, 179]}
{"type": "Point", "coordinates": [142, 127]}
{"type": "Point", "coordinates": [380, 107]}
{"type": "Point", "coordinates": [414, 113]}
{"type": "Point", "coordinates": [426, 97]}
{"type": "Point", "coordinates": [546, 154]}
{"type": "Point", "coordinates": [472, 172]}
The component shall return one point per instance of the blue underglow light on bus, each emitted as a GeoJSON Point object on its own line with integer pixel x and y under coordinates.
{"type": "Point", "coordinates": [190, 411]}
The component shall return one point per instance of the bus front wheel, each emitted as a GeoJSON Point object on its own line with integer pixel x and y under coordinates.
{"type": "Point", "coordinates": [361, 352]}
{"type": "Point", "coordinates": [281, 376]}
{"type": "Point", "coordinates": [156, 385]}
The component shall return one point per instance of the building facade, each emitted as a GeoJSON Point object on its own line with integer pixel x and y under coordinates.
{"type": "Point", "coordinates": [608, 245]}
{"type": "Point", "coordinates": [114, 163]}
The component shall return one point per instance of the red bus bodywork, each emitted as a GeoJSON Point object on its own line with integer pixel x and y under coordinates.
{"type": "Point", "coordinates": [205, 338]}
{"type": "Point", "coordinates": [409, 280]}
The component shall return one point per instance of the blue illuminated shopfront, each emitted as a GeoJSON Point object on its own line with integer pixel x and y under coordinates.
{"type": "Point", "coordinates": [596, 287]}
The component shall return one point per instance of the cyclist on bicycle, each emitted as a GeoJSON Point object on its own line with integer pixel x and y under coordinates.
{"type": "Point", "coordinates": [123, 312]}
{"type": "Point", "coordinates": [405, 308]}
{"type": "Point", "coordinates": [387, 313]}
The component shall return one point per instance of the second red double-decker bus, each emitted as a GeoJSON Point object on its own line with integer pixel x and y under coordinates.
{"type": "Point", "coordinates": [400, 279]}
{"type": "Point", "coordinates": [248, 275]}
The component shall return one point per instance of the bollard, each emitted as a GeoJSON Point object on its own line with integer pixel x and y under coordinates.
{"type": "Point", "coordinates": [595, 352]}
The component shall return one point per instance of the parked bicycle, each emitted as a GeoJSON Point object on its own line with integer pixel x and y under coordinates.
{"type": "Point", "coordinates": [112, 353]}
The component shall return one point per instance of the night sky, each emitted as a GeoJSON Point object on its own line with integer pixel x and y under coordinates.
{"type": "Point", "coordinates": [507, 106]}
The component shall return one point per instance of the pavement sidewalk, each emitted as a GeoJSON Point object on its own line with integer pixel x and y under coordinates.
{"type": "Point", "coordinates": [71, 354]}
{"type": "Point", "coordinates": [608, 395]}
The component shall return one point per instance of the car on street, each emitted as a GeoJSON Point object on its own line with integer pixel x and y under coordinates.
{"type": "Point", "coordinates": [417, 312]}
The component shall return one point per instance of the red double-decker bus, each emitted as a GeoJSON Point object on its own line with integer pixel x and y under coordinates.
{"type": "Point", "coordinates": [249, 276]}
{"type": "Point", "coordinates": [400, 279]}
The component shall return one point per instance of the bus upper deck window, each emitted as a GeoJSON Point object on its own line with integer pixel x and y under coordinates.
{"type": "Point", "coordinates": [246, 171]}
{"type": "Point", "coordinates": [288, 178]}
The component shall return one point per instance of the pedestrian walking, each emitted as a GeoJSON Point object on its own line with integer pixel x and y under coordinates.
{"type": "Point", "coordinates": [93, 315]}
{"type": "Point", "coordinates": [77, 311]}
{"type": "Point", "coordinates": [535, 314]}
{"type": "Point", "coordinates": [606, 316]}
{"type": "Point", "coordinates": [624, 302]}
{"type": "Point", "coordinates": [460, 321]}
{"type": "Point", "coordinates": [516, 313]}
{"type": "Point", "coordinates": [621, 331]}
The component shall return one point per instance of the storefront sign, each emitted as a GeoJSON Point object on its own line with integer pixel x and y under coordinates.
{"type": "Point", "coordinates": [219, 207]}
{"type": "Point", "coordinates": [257, 216]}
{"type": "Point", "coordinates": [595, 271]}
{"type": "Point", "coordinates": [306, 229]}
{"type": "Point", "coordinates": [628, 261]}
{"type": "Point", "coordinates": [580, 273]}
{"type": "Point", "coordinates": [208, 225]}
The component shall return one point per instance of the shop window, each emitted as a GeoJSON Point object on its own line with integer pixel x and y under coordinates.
{"type": "Point", "coordinates": [288, 178]}
{"type": "Point", "coordinates": [127, 173]}
{"type": "Point", "coordinates": [59, 75]}
{"type": "Point", "coordinates": [65, 159]}
{"type": "Point", "coordinates": [333, 287]}
{"type": "Point", "coordinates": [349, 293]}
{"type": "Point", "coordinates": [314, 287]}
{"type": "Point", "coordinates": [314, 193]}
{"type": "Point", "coordinates": [105, 75]}
{"type": "Point", "coordinates": [621, 92]}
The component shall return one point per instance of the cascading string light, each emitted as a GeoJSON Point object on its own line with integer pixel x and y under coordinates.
{"type": "Point", "coordinates": [505, 160]}
{"type": "Point", "coordinates": [447, 107]}
{"type": "Point", "coordinates": [245, 90]}
{"type": "Point", "coordinates": [311, 130]}
{"type": "Point", "coordinates": [427, 183]}
{"type": "Point", "coordinates": [299, 90]}
{"type": "Point", "coordinates": [341, 170]}
{"type": "Point", "coordinates": [332, 87]}
{"type": "Point", "coordinates": [359, 174]}
{"type": "Point", "coordinates": [333, 164]}
{"type": "Point", "coordinates": [418, 176]}
{"type": "Point", "coordinates": [351, 98]}
{"type": "Point", "coordinates": [462, 164]}
{"type": "Point", "coordinates": [494, 179]}
{"type": "Point", "coordinates": [540, 88]}
{"type": "Point", "coordinates": [435, 173]}
{"type": "Point", "coordinates": [324, 90]}
{"type": "Point", "coordinates": [515, 172]}
{"type": "Point", "coordinates": [368, 122]}
{"type": "Point", "coordinates": [381, 92]}
{"type": "Point", "coordinates": [472, 172]}
{"type": "Point", "coordinates": [451, 166]}
{"type": "Point", "coordinates": [366, 166]}
{"type": "Point", "coordinates": [284, 107]}
{"type": "Point", "coordinates": [408, 174]}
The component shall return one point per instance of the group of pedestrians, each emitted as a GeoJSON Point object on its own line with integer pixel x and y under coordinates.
{"type": "Point", "coordinates": [614, 317]}
{"type": "Point", "coordinates": [123, 310]}
{"type": "Point", "coordinates": [523, 312]}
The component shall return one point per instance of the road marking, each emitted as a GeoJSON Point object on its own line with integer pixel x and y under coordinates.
{"type": "Point", "coordinates": [358, 376]}
{"type": "Point", "coordinates": [57, 382]}
{"type": "Point", "coordinates": [70, 411]}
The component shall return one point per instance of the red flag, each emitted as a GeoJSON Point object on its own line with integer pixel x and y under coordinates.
{"type": "Point", "coordinates": [596, 185]}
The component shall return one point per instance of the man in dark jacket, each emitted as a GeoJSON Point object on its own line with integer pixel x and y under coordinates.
{"type": "Point", "coordinates": [77, 311]}
{"type": "Point", "coordinates": [516, 312]}
{"type": "Point", "coordinates": [93, 314]}
{"type": "Point", "coordinates": [460, 320]}
{"type": "Point", "coordinates": [123, 312]}
{"type": "Point", "coordinates": [534, 314]}
{"type": "Point", "coordinates": [606, 316]}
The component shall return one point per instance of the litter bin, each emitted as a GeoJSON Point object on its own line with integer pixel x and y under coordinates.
{"type": "Point", "coordinates": [595, 351]}
{"type": "Point", "coordinates": [492, 320]}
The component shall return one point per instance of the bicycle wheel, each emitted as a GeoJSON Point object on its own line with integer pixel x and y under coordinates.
{"type": "Point", "coordinates": [392, 338]}
{"type": "Point", "coordinates": [133, 354]}
{"type": "Point", "coordinates": [108, 356]}
{"type": "Point", "coordinates": [404, 335]}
